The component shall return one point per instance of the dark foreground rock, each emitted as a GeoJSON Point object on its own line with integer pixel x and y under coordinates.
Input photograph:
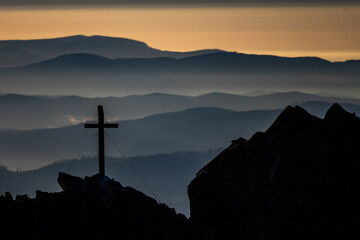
{"type": "Point", "coordinates": [300, 179]}
{"type": "Point", "coordinates": [92, 208]}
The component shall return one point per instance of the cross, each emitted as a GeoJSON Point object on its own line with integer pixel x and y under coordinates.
{"type": "Point", "coordinates": [101, 125]}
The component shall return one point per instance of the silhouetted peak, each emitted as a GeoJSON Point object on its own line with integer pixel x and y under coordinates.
{"type": "Point", "coordinates": [296, 111]}
{"type": "Point", "coordinates": [336, 112]}
{"type": "Point", "coordinates": [342, 121]}
{"type": "Point", "coordinates": [293, 117]}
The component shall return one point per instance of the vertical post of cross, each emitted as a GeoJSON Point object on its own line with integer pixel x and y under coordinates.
{"type": "Point", "coordinates": [101, 126]}
{"type": "Point", "coordinates": [101, 141]}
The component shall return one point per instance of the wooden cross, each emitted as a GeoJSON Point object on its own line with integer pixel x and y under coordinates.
{"type": "Point", "coordinates": [100, 126]}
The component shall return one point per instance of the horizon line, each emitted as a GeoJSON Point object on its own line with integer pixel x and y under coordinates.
{"type": "Point", "coordinates": [259, 53]}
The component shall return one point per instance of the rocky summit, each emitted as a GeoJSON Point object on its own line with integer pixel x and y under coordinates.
{"type": "Point", "coordinates": [92, 208]}
{"type": "Point", "coordinates": [300, 179]}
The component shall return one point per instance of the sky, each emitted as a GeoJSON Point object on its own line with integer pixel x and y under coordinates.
{"type": "Point", "coordinates": [327, 29]}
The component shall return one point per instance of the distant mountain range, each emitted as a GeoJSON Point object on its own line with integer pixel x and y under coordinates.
{"type": "Point", "coordinates": [92, 75]}
{"type": "Point", "coordinates": [12, 57]}
{"type": "Point", "coordinates": [20, 52]}
{"type": "Point", "coordinates": [197, 129]}
{"type": "Point", "coordinates": [216, 62]}
{"type": "Point", "coordinates": [29, 112]}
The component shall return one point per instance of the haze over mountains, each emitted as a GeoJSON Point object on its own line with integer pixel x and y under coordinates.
{"type": "Point", "coordinates": [103, 66]}
{"type": "Point", "coordinates": [198, 129]}
{"type": "Point", "coordinates": [195, 129]}
{"type": "Point", "coordinates": [29, 112]}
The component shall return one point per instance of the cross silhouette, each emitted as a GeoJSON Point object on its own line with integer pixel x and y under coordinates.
{"type": "Point", "coordinates": [101, 126]}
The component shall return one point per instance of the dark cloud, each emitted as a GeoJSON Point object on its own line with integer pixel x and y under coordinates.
{"type": "Point", "coordinates": [180, 2]}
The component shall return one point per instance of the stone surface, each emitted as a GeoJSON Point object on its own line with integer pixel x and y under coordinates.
{"type": "Point", "coordinates": [300, 179]}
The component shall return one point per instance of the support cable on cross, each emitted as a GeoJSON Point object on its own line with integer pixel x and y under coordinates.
{"type": "Point", "coordinates": [133, 168]}
{"type": "Point", "coordinates": [90, 157]}
{"type": "Point", "coordinates": [82, 151]}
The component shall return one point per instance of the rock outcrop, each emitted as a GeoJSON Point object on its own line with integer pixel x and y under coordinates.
{"type": "Point", "coordinates": [300, 179]}
{"type": "Point", "coordinates": [93, 208]}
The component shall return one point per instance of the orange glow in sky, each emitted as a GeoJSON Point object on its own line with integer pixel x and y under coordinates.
{"type": "Point", "coordinates": [328, 32]}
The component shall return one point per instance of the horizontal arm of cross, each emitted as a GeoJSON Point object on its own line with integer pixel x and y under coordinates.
{"type": "Point", "coordinates": [107, 125]}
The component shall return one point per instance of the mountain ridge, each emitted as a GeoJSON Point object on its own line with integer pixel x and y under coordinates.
{"type": "Point", "coordinates": [96, 69]}
{"type": "Point", "coordinates": [208, 128]}
{"type": "Point", "coordinates": [212, 59]}
{"type": "Point", "coordinates": [58, 111]}
{"type": "Point", "coordinates": [84, 69]}
{"type": "Point", "coordinates": [162, 133]}
{"type": "Point", "coordinates": [110, 47]}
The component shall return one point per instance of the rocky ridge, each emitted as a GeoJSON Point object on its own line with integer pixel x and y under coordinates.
{"type": "Point", "coordinates": [297, 180]}
{"type": "Point", "coordinates": [93, 208]}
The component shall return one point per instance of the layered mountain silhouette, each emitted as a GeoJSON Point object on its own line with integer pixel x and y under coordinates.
{"type": "Point", "coordinates": [218, 62]}
{"type": "Point", "coordinates": [81, 73]}
{"type": "Point", "coordinates": [77, 65]}
{"type": "Point", "coordinates": [23, 111]}
{"type": "Point", "coordinates": [94, 49]}
{"type": "Point", "coordinates": [110, 47]}
{"type": "Point", "coordinates": [208, 128]}
{"type": "Point", "coordinates": [297, 180]}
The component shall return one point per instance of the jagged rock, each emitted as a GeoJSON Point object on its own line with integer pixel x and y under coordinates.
{"type": "Point", "coordinates": [93, 208]}
{"type": "Point", "coordinates": [300, 179]}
